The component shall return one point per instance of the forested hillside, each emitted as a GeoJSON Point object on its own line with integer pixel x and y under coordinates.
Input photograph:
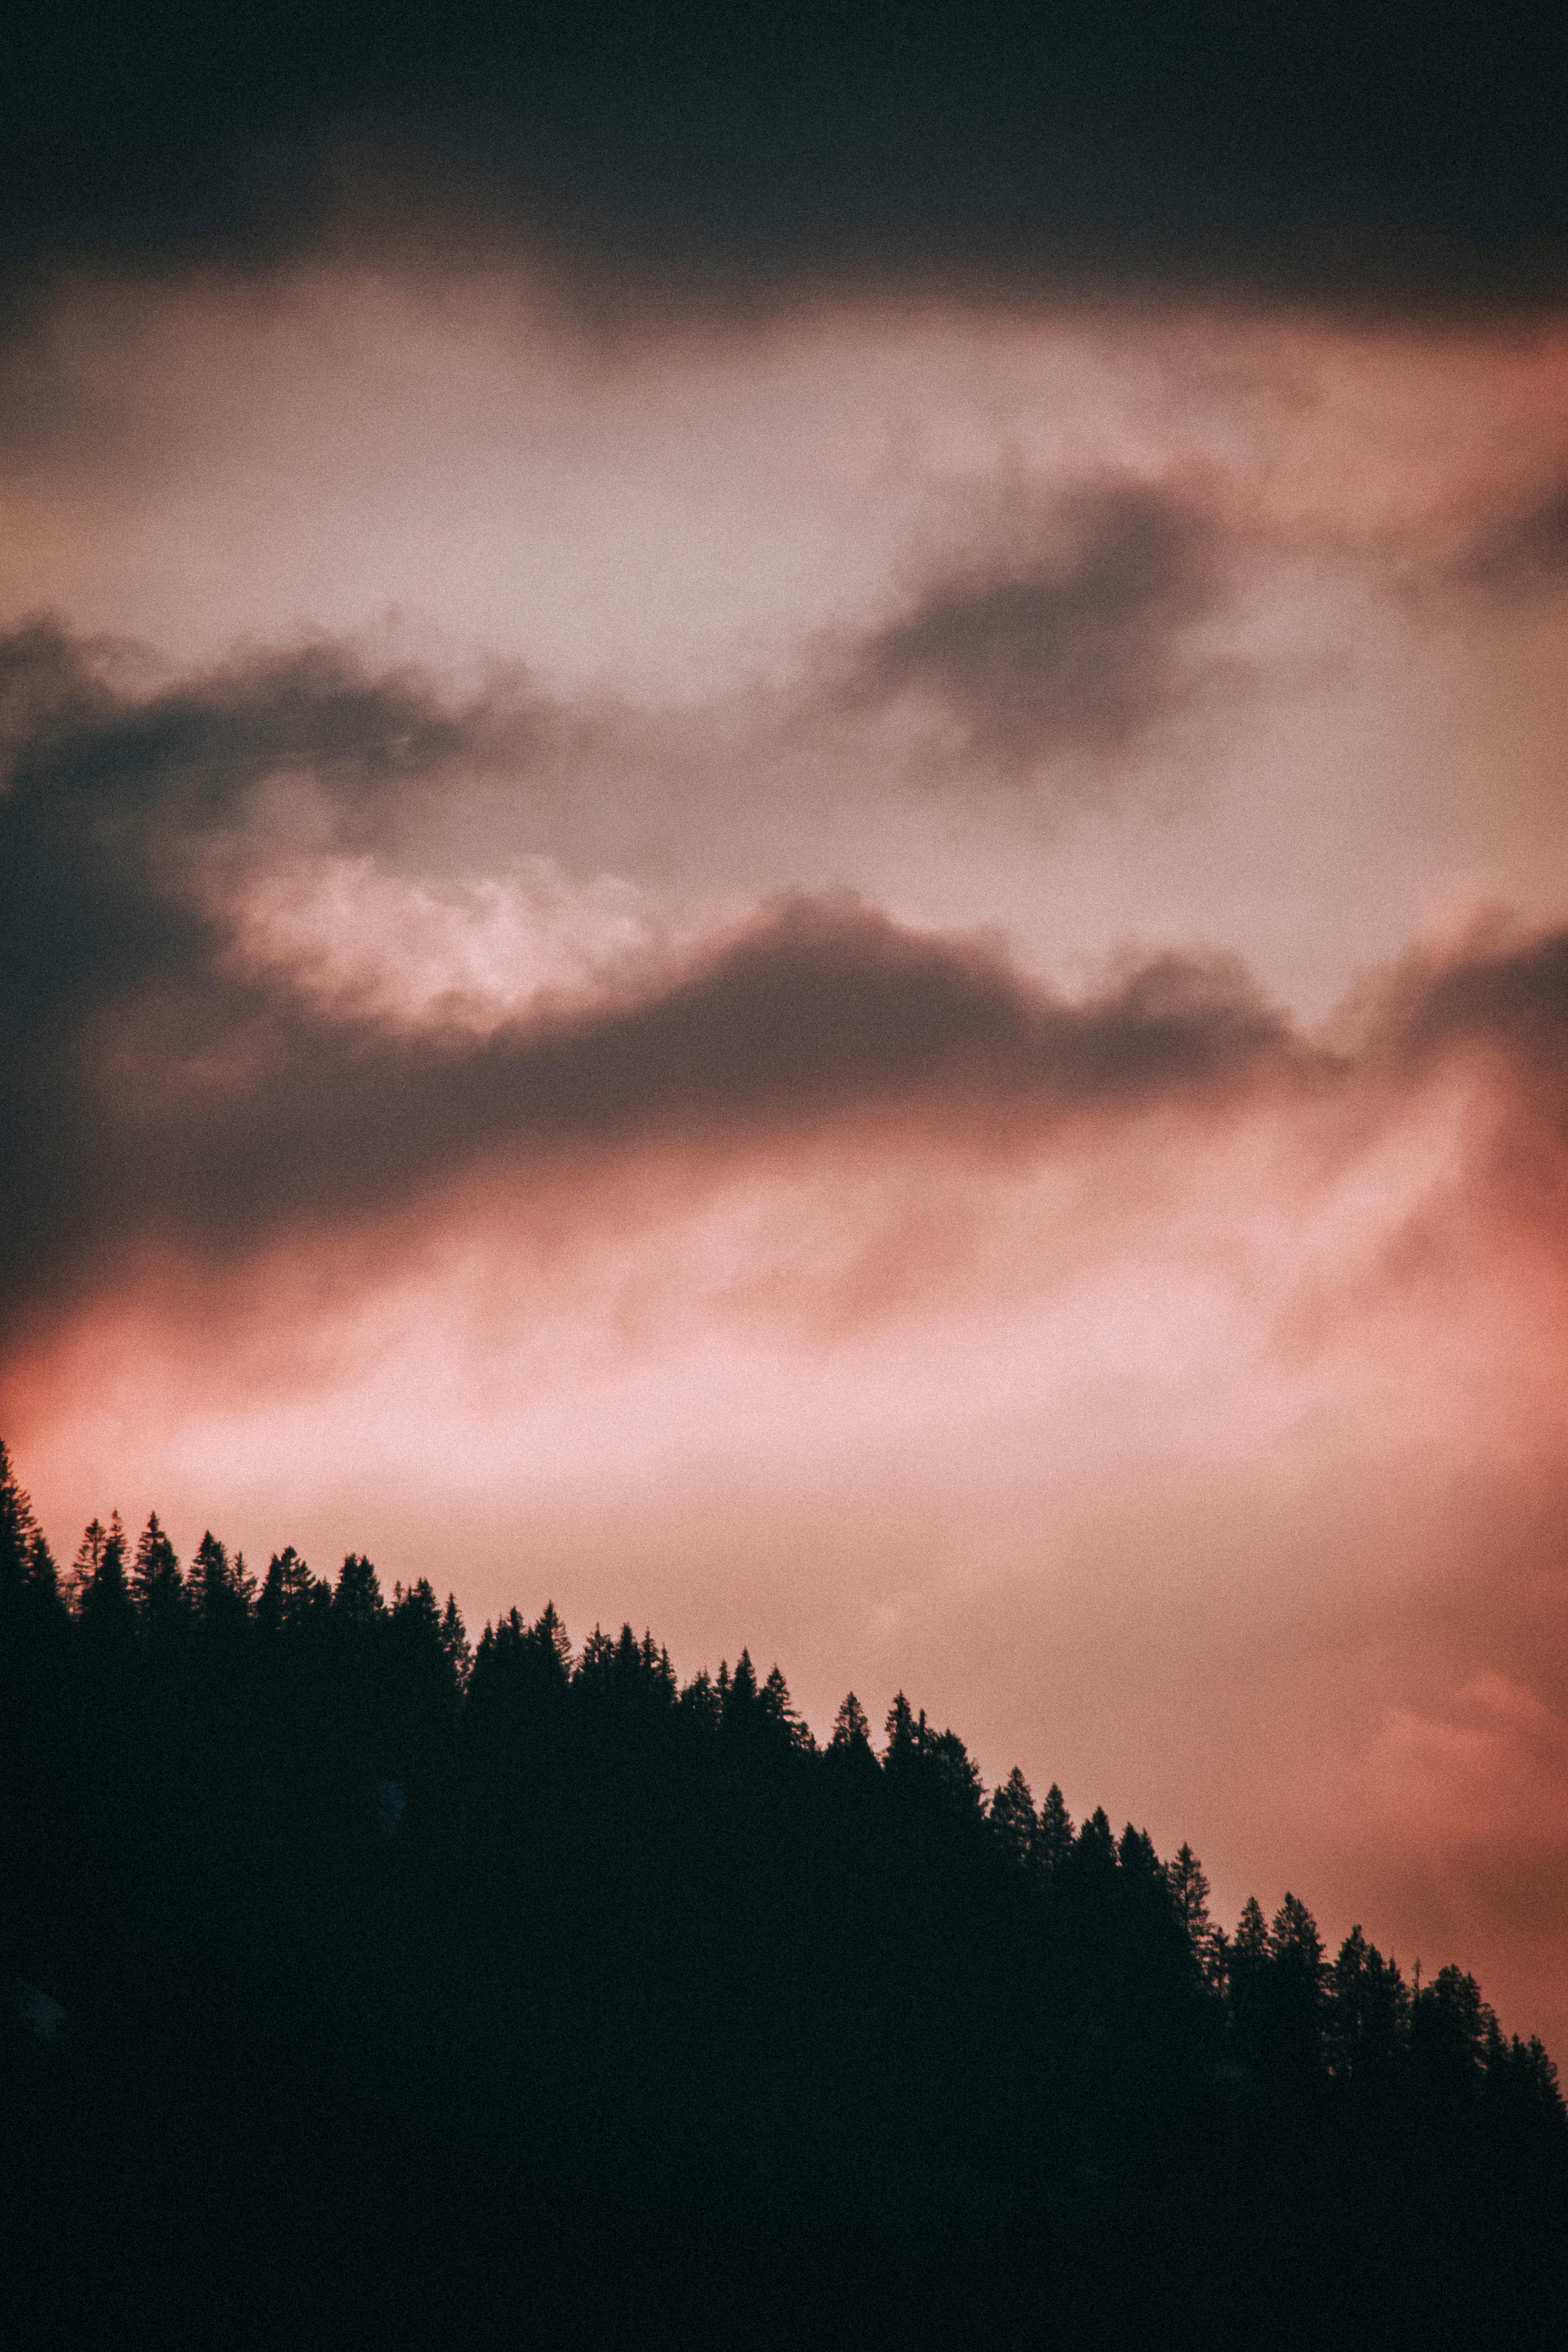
{"type": "Point", "coordinates": [362, 1986]}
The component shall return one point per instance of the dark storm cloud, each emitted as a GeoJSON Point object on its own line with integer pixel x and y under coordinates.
{"type": "Point", "coordinates": [1323, 149]}
{"type": "Point", "coordinates": [151, 1086]}
{"type": "Point", "coordinates": [107, 794]}
{"type": "Point", "coordinates": [1510, 1001]}
{"type": "Point", "coordinates": [186, 755]}
{"type": "Point", "coordinates": [1078, 649]}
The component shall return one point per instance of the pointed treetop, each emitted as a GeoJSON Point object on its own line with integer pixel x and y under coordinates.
{"type": "Point", "coordinates": [552, 1639]}
{"type": "Point", "coordinates": [1055, 1839]}
{"type": "Point", "coordinates": [219, 1588]}
{"type": "Point", "coordinates": [18, 1528]}
{"type": "Point", "coordinates": [701, 1701]}
{"type": "Point", "coordinates": [1250, 1942]}
{"type": "Point", "coordinates": [102, 1590]}
{"type": "Point", "coordinates": [1096, 1843]}
{"type": "Point", "coordinates": [1189, 1885]}
{"type": "Point", "coordinates": [899, 1730]}
{"type": "Point", "coordinates": [1137, 1856]}
{"type": "Point", "coordinates": [1294, 1938]}
{"type": "Point", "coordinates": [357, 1599]}
{"type": "Point", "coordinates": [454, 1643]}
{"type": "Point", "coordinates": [417, 1609]}
{"type": "Point", "coordinates": [850, 1728]}
{"type": "Point", "coordinates": [598, 1650]}
{"type": "Point", "coordinates": [1013, 1820]}
{"type": "Point", "coordinates": [742, 1682]}
{"type": "Point", "coordinates": [288, 1592]}
{"type": "Point", "coordinates": [155, 1580]}
{"type": "Point", "coordinates": [778, 1711]}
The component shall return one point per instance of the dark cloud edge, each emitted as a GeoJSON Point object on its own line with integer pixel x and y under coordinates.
{"type": "Point", "coordinates": [723, 155]}
{"type": "Point", "coordinates": [1063, 635]}
{"type": "Point", "coordinates": [152, 1091]}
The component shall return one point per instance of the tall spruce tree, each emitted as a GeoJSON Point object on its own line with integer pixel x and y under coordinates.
{"type": "Point", "coordinates": [103, 1586]}
{"type": "Point", "coordinates": [1190, 1894]}
{"type": "Point", "coordinates": [1014, 1822]}
{"type": "Point", "coordinates": [1054, 1839]}
{"type": "Point", "coordinates": [18, 1530]}
{"type": "Point", "coordinates": [156, 1584]}
{"type": "Point", "coordinates": [219, 1588]}
{"type": "Point", "coordinates": [356, 1600]}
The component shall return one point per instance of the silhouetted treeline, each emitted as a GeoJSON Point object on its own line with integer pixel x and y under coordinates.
{"type": "Point", "coordinates": [362, 1986]}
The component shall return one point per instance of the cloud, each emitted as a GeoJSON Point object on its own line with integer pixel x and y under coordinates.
{"type": "Point", "coordinates": [1523, 556]}
{"type": "Point", "coordinates": [1464, 1805]}
{"type": "Point", "coordinates": [406, 952]}
{"type": "Point", "coordinates": [1494, 1768]}
{"type": "Point", "coordinates": [505, 1216]}
{"type": "Point", "coordinates": [232, 1016]}
{"type": "Point", "coordinates": [73, 739]}
{"type": "Point", "coordinates": [1078, 649]}
{"type": "Point", "coordinates": [176, 1066]}
{"type": "Point", "coordinates": [1498, 996]}
{"type": "Point", "coordinates": [728, 155]}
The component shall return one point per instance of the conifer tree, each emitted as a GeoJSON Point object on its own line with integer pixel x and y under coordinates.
{"type": "Point", "coordinates": [84, 1567]}
{"type": "Point", "coordinates": [1297, 1978]}
{"type": "Point", "coordinates": [30, 1601]}
{"type": "Point", "coordinates": [1094, 1848]}
{"type": "Point", "coordinates": [417, 1612]}
{"type": "Point", "coordinates": [1450, 2025]}
{"type": "Point", "coordinates": [555, 1922]}
{"type": "Point", "coordinates": [551, 1647]}
{"type": "Point", "coordinates": [956, 1772]}
{"type": "Point", "coordinates": [627, 1662]}
{"type": "Point", "coordinates": [1294, 1944]}
{"type": "Point", "coordinates": [219, 1588]}
{"type": "Point", "coordinates": [498, 1669]}
{"type": "Point", "coordinates": [849, 1751]}
{"type": "Point", "coordinates": [356, 1600]}
{"type": "Point", "coordinates": [1190, 1894]}
{"type": "Point", "coordinates": [741, 1696]}
{"type": "Point", "coordinates": [155, 1581]}
{"type": "Point", "coordinates": [1368, 2010]}
{"type": "Point", "coordinates": [18, 1529]}
{"type": "Point", "coordinates": [850, 1728]}
{"type": "Point", "coordinates": [455, 1644]}
{"type": "Point", "coordinates": [1054, 1839]}
{"type": "Point", "coordinates": [701, 1703]}
{"type": "Point", "coordinates": [1246, 1984]}
{"type": "Point", "coordinates": [43, 1578]}
{"type": "Point", "coordinates": [777, 1710]}
{"type": "Point", "coordinates": [594, 1667]}
{"type": "Point", "coordinates": [1014, 1822]}
{"type": "Point", "coordinates": [1135, 1852]}
{"type": "Point", "coordinates": [103, 1587]}
{"type": "Point", "coordinates": [902, 1736]}
{"type": "Point", "coordinates": [1250, 1942]}
{"type": "Point", "coordinates": [288, 1593]}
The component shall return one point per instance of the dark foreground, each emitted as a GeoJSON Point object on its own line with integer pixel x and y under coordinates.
{"type": "Point", "coordinates": [354, 1991]}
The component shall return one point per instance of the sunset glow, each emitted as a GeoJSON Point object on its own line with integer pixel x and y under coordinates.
{"type": "Point", "coordinates": [883, 976]}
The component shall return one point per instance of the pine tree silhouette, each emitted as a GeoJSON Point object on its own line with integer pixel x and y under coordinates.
{"type": "Point", "coordinates": [156, 1584]}
{"type": "Point", "coordinates": [618, 2003]}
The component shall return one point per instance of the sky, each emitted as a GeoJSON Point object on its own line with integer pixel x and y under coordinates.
{"type": "Point", "coordinates": [784, 850]}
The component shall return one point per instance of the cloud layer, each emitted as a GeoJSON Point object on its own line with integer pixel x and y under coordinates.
{"type": "Point", "coordinates": [160, 1084]}
{"type": "Point", "coordinates": [722, 153]}
{"type": "Point", "coordinates": [795, 939]}
{"type": "Point", "coordinates": [1076, 648]}
{"type": "Point", "coordinates": [177, 1067]}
